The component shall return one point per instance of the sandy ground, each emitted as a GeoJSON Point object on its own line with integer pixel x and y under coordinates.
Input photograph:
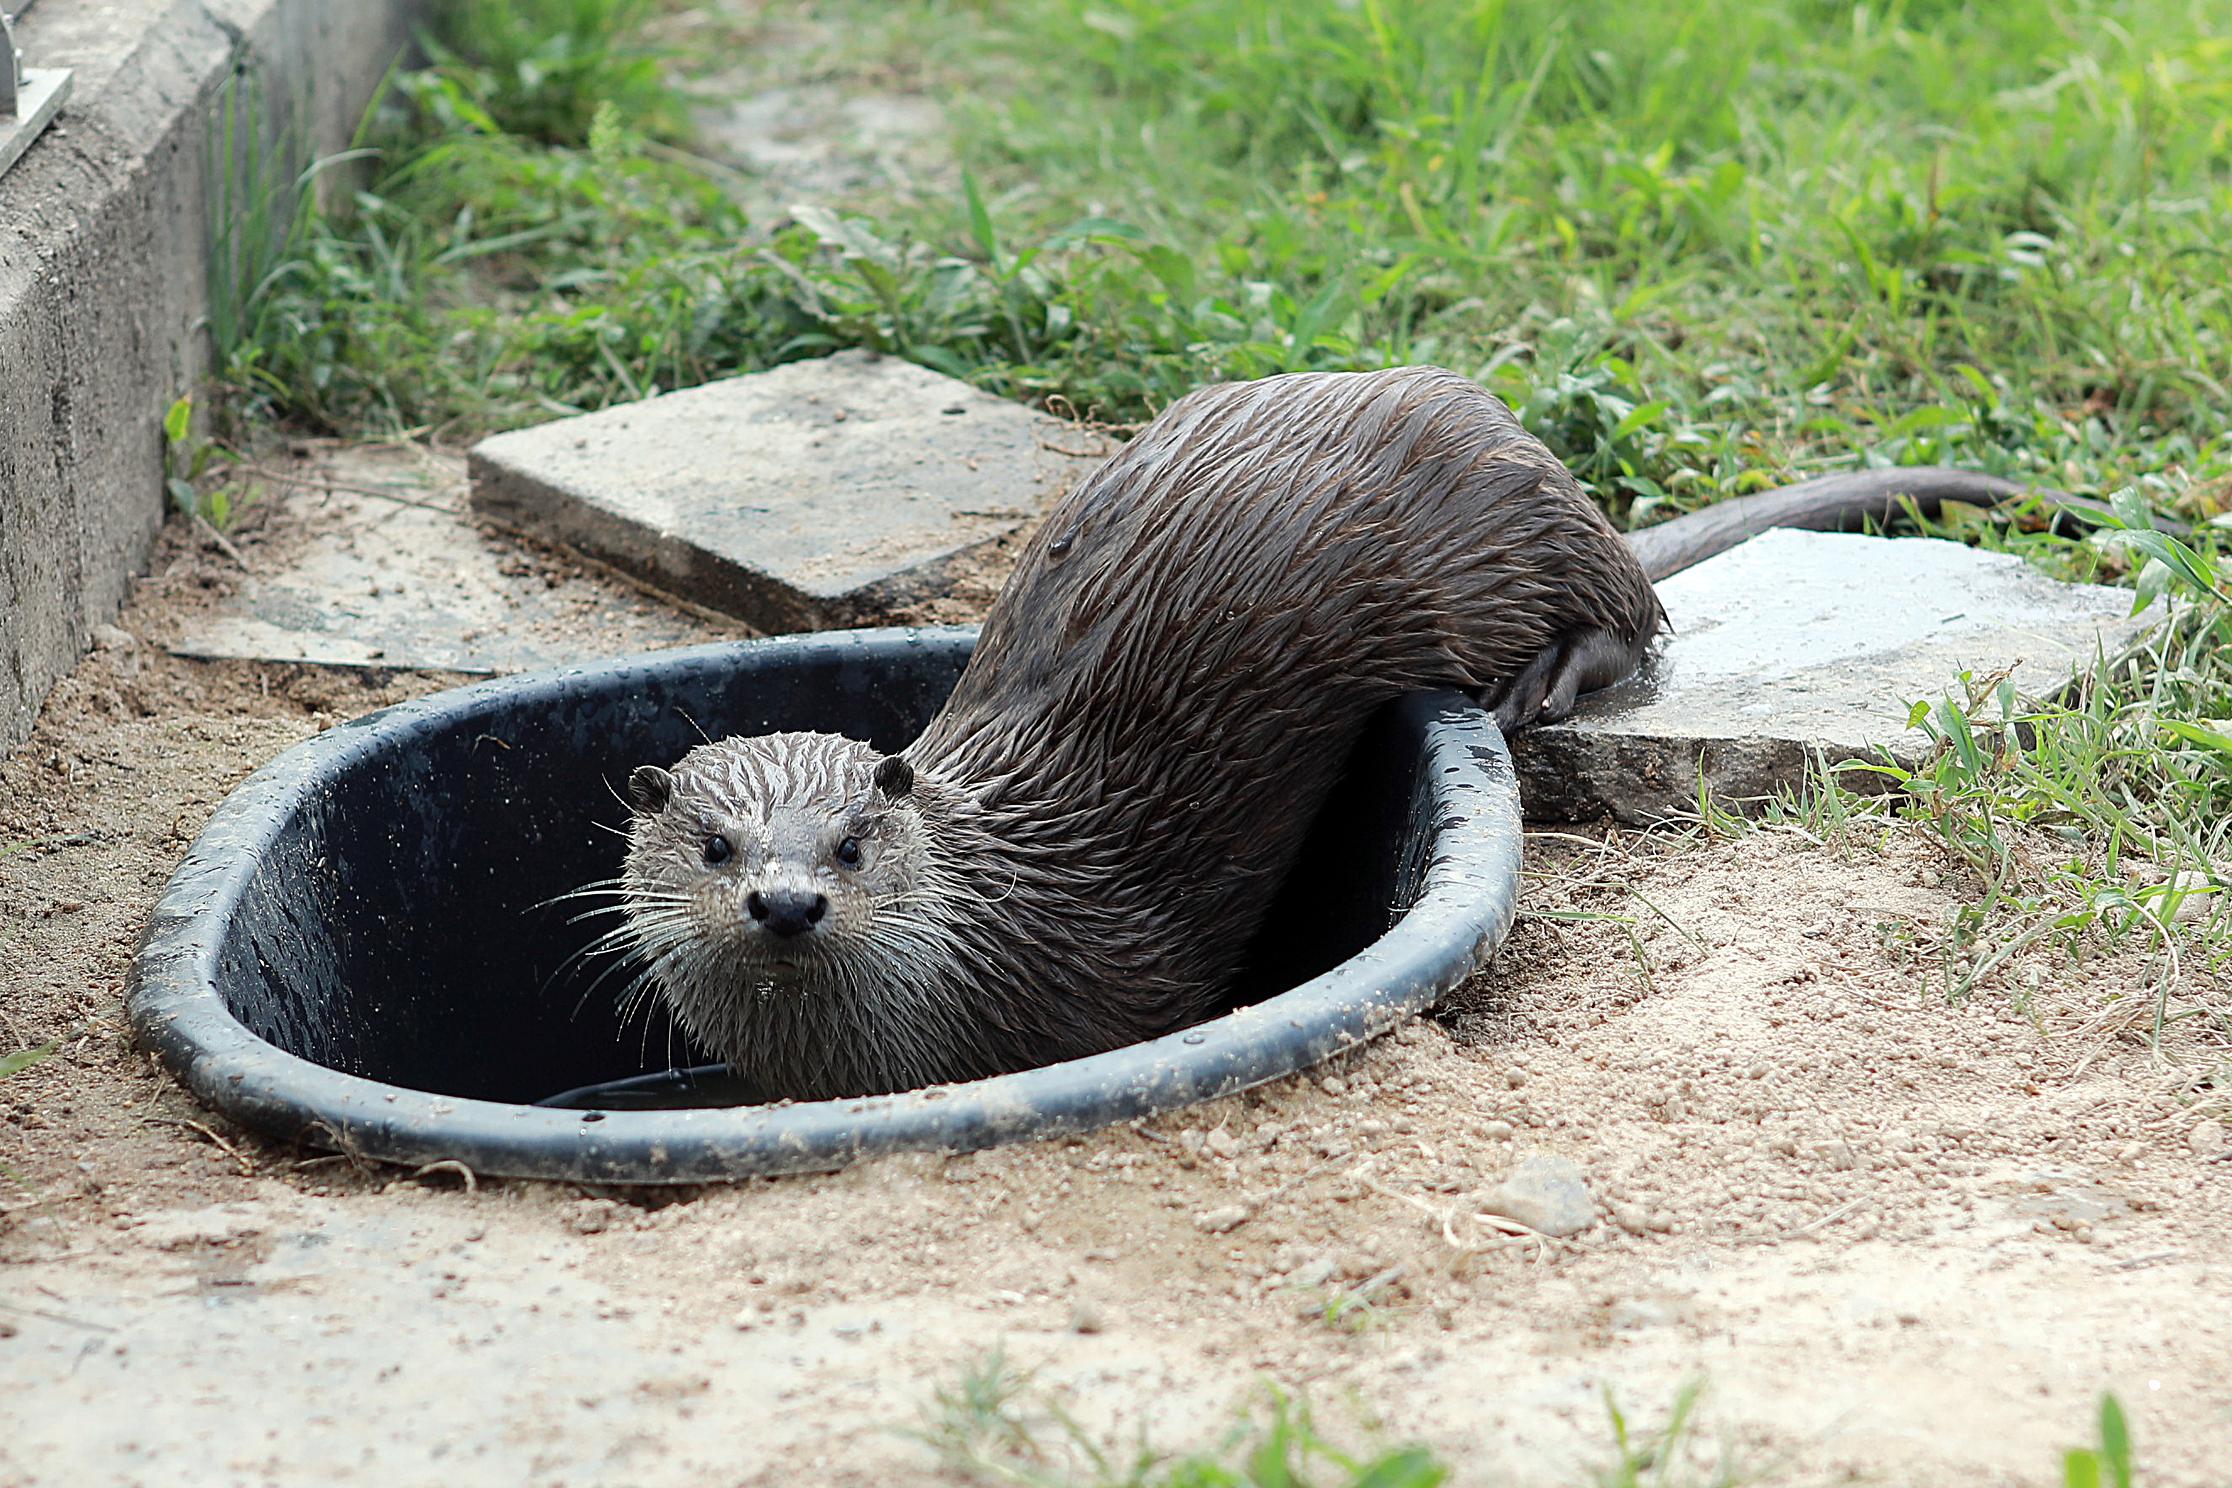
{"type": "Point", "coordinates": [1897, 1240]}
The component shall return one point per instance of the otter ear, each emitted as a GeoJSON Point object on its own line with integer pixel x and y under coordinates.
{"type": "Point", "coordinates": [650, 788]}
{"type": "Point", "coordinates": [894, 777]}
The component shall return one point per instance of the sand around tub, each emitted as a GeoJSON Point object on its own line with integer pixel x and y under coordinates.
{"type": "Point", "coordinates": [1896, 1239]}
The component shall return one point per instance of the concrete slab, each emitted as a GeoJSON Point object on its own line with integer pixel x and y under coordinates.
{"type": "Point", "coordinates": [42, 92]}
{"type": "Point", "coordinates": [1803, 641]}
{"type": "Point", "coordinates": [104, 276]}
{"type": "Point", "coordinates": [365, 557]}
{"type": "Point", "coordinates": [819, 494]}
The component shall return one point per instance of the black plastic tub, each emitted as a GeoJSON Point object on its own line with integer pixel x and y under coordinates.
{"type": "Point", "coordinates": [359, 951]}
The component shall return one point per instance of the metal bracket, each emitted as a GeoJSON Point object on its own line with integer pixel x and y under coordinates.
{"type": "Point", "coordinates": [29, 97]}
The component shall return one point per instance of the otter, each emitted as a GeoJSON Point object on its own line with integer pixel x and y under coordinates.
{"type": "Point", "coordinates": [1079, 848]}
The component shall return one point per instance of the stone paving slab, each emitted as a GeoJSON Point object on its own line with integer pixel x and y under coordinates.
{"type": "Point", "coordinates": [814, 495]}
{"type": "Point", "coordinates": [1802, 641]}
{"type": "Point", "coordinates": [370, 561]}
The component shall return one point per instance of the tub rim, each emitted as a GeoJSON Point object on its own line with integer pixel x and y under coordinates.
{"type": "Point", "coordinates": [176, 1008]}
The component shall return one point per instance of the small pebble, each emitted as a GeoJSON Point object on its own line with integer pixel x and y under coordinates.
{"type": "Point", "coordinates": [1086, 1318]}
{"type": "Point", "coordinates": [2207, 1139]}
{"type": "Point", "coordinates": [1545, 1194]}
{"type": "Point", "coordinates": [591, 1217]}
{"type": "Point", "coordinates": [2200, 896]}
{"type": "Point", "coordinates": [1221, 1219]}
{"type": "Point", "coordinates": [1333, 1085]}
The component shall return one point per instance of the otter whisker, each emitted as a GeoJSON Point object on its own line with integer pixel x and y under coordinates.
{"type": "Point", "coordinates": [628, 943]}
{"type": "Point", "coordinates": [603, 888]}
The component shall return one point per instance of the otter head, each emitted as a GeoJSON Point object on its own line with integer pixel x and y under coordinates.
{"type": "Point", "coordinates": [757, 865]}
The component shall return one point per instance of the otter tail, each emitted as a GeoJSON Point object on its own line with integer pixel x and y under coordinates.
{"type": "Point", "coordinates": [1843, 503]}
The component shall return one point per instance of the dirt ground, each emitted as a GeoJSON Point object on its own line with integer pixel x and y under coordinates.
{"type": "Point", "coordinates": [1897, 1240]}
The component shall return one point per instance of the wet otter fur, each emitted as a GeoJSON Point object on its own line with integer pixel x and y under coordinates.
{"type": "Point", "coordinates": [1078, 849]}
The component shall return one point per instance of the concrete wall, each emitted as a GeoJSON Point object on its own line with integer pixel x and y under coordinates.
{"type": "Point", "coordinates": [104, 244]}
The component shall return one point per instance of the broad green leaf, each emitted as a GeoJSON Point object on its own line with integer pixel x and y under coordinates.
{"type": "Point", "coordinates": [2209, 733]}
{"type": "Point", "coordinates": [1639, 417]}
{"type": "Point", "coordinates": [980, 220]}
{"type": "Point", "coordinates": [2115, 1441]}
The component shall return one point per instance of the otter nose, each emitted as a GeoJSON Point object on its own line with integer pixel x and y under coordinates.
{"type": "Point", "coordinates": [787, 912]}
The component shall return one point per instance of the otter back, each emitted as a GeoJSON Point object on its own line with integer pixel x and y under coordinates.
{"type": "Point", "coordinates": [1164, 691]}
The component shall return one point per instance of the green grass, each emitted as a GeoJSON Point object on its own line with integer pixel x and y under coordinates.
{"type": "Point", "coordinates": [1663, 1458]}
{"type": "Point", "coordinates": [543, 69]}
{"type": "Point", "coordinates": [993, 1426]}
{"type": "Point", "coordinates": [1872, 249]}
{"type": "Point", "coordinates": [1702, 249]}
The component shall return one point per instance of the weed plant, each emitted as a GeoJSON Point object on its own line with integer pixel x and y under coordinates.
{"type": "Point", "coordinates": [993, 1426]}
{"type": "Point", "coordinates": [542, 69]}
{"type": "Point", "coordinates": [2109, 1465]}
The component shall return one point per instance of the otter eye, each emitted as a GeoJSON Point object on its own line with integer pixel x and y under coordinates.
{"type": "Point", "coordinates": [717, 849]}
{"type": "Point", "coordinates": [848, 852]}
